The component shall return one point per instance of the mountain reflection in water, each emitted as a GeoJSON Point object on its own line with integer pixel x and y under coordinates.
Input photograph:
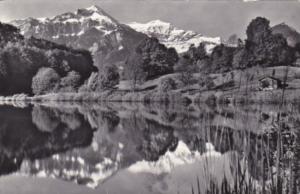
{"type": "Point", "coordinates": [136, 148]}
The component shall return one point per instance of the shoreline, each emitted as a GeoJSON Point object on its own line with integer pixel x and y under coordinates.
{"type": "Point", "coordinates": [153, 96]}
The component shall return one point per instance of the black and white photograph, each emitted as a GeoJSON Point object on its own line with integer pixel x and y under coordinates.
{"type": "Point", "coordinates": [149, 97]}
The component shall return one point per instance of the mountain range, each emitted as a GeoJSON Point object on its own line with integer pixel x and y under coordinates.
{"type": "Point", "coordinates": [174, 37]}
{"type": "Point", "coordinates": [109, 40]}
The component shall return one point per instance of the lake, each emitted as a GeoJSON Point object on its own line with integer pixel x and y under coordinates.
{"type": "Point", "coordinates": [64, 148]}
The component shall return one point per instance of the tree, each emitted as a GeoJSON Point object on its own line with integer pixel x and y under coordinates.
{"type": "Point", "coordinates": [233, 40]}
{"type": "Point", "coordinates": [221, 59]}
{"type": "Point", "coordinates": [191, 62]}
{"type": "Point", "coordinates": [264, 48]}
{"type": "Point", "coordinates": [155, 58]}
{"type": "Point", "coordinates": [3, 71]}
{"type": "Point", "coordinates": [197, 53]}
{"type": "Point", "coordinates": [107, 78]}
{"type": "Point", "coordinates": [45, 81]}
{"type": "Point", "coordinates": [71, 82]}
{"type": "Point", "coordinates": [21, 58]}
{"type": "Point", "coordinates": [133, 70]}
{"type": "Point", "coordinates": [257, 31]}
{"type": "Point", "coordinates": [186, 67]}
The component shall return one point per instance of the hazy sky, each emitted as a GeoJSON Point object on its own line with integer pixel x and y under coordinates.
{"type": "Point", "coordinates": [213, 18]}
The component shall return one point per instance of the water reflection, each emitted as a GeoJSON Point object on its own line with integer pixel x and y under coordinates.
{"type": "Point", "coordinates": [135, 148]}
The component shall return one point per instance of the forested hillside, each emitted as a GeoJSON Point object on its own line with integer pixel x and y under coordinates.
{"type": "Point", "coordinates": [22, 59]}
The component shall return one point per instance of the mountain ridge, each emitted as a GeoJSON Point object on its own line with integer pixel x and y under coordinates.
{"type": "Point", "coordinates": [172, 36]}
{"type": "Point", "coordinates": [89, 28]}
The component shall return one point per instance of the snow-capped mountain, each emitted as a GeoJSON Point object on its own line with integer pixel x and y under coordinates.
{"type": "Point", "coordinates": [90, 28]}
{"type": "Point", "coordinates": [109, 40]}
{"type": "Point", "coordinates": [171, 36]}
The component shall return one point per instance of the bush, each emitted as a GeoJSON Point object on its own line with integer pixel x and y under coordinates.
{"type": "Point", "coordinates": [210, 84]}
{"type": "Point", "coordinates": [108, 78]}
{"type": "Point", "coordinates": [71, 82]}
{"type": "Point", "coordinates": [45, 81]}
{"type": "Point", "coordinates": [167, 84]}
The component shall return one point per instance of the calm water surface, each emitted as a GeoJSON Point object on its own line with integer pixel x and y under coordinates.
{"type": "Point", "coordinates": [149, 149]}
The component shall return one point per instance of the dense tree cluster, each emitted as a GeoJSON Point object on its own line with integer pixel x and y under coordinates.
{"type": "Point", "coordinates": [264, 48]}
{"type": "Point", "coordinates": [21, 59]}
{"type": "Point", "coordinates": [261, 49]}
{"type": "Point", "coordinates": [106, 79]}
{"type": "Point", "coordinates": [194, 60]}
{"type": "Point", "coordinates": [151, 59]}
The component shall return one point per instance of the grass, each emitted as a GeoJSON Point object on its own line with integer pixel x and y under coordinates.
{"type": "Point", "coordinates": [275, 155]}
{"type": "Point", "coordinates": [236, 87]}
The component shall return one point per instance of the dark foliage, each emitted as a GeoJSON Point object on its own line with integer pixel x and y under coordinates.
{"type": "Point", "coordinates": [264, 48]}
{"type": "Point", "coordinates": [20, 59]}
{"type": "Point", "coordinates": [186, 67]}
{"type": "Point", "coordinates": [43, 134]}
{"type": "Point", "coordinates": [133, 70]}
{"type": "Point", "coordinates": [191, 62]}
{"type": "Point", "coordinates": [261, 48]}
{"type": "Point", "coordinates": [155, 59]}
{"type": "Point", "coordinates": [221, 58]}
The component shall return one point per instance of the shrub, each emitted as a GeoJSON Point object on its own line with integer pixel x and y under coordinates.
{"type": "Point", "coordinates": [108, 77]}
{"type": "Point", "coordinates": [167, 84]}
{"type": "Point", "coordinates": [210, 84]}
{"type": "Point", "coordinates": [45, 81]}
{"type": "Point", "coordinates": [71, 82]}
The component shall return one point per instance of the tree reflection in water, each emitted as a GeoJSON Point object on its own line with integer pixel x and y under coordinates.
{"type": "Point", "coordinates": [91, 143]}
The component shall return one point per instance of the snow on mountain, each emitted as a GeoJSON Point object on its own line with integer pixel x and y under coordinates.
{"type": "Point", "coordinates": [90, 28]}
{"type": "Point", "coordinates": [81, 166]}
{"type": "Point", "coordinates": [171, 36]}
{"type": "Point", "coordinates": [181, 156]}
{"type": "Point", "coordinates": [77, 23]}
{"type": "Point", "coordinates": [109, 40]}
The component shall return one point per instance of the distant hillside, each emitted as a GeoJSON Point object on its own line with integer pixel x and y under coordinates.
{"type": "Point", "coordinates": [21, 58]}
{"type": "Point", "coordinates": [292, 36]}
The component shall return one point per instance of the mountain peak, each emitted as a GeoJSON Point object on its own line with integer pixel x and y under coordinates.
{"type": "Point", "coordinates": [95, 8]}
{"type": "Point", "coordinates": [95, 12]}
{"type": "Point", "coordinates": [159, 22]}
{"type": "Point", "coordinates": [91, 10]}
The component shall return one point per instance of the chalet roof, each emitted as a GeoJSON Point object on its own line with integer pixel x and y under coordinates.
{"type": "Point", "coordinates": [269, 77]}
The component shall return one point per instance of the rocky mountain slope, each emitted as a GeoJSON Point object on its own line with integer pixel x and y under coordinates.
{"type": "Point", "coordinates": [90, 28]}
{"type": "Point", "coordinates": [174, 37]}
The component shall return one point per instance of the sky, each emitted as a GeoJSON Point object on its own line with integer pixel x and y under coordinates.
{"type": "Point", "coordinates": [208, 17]}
